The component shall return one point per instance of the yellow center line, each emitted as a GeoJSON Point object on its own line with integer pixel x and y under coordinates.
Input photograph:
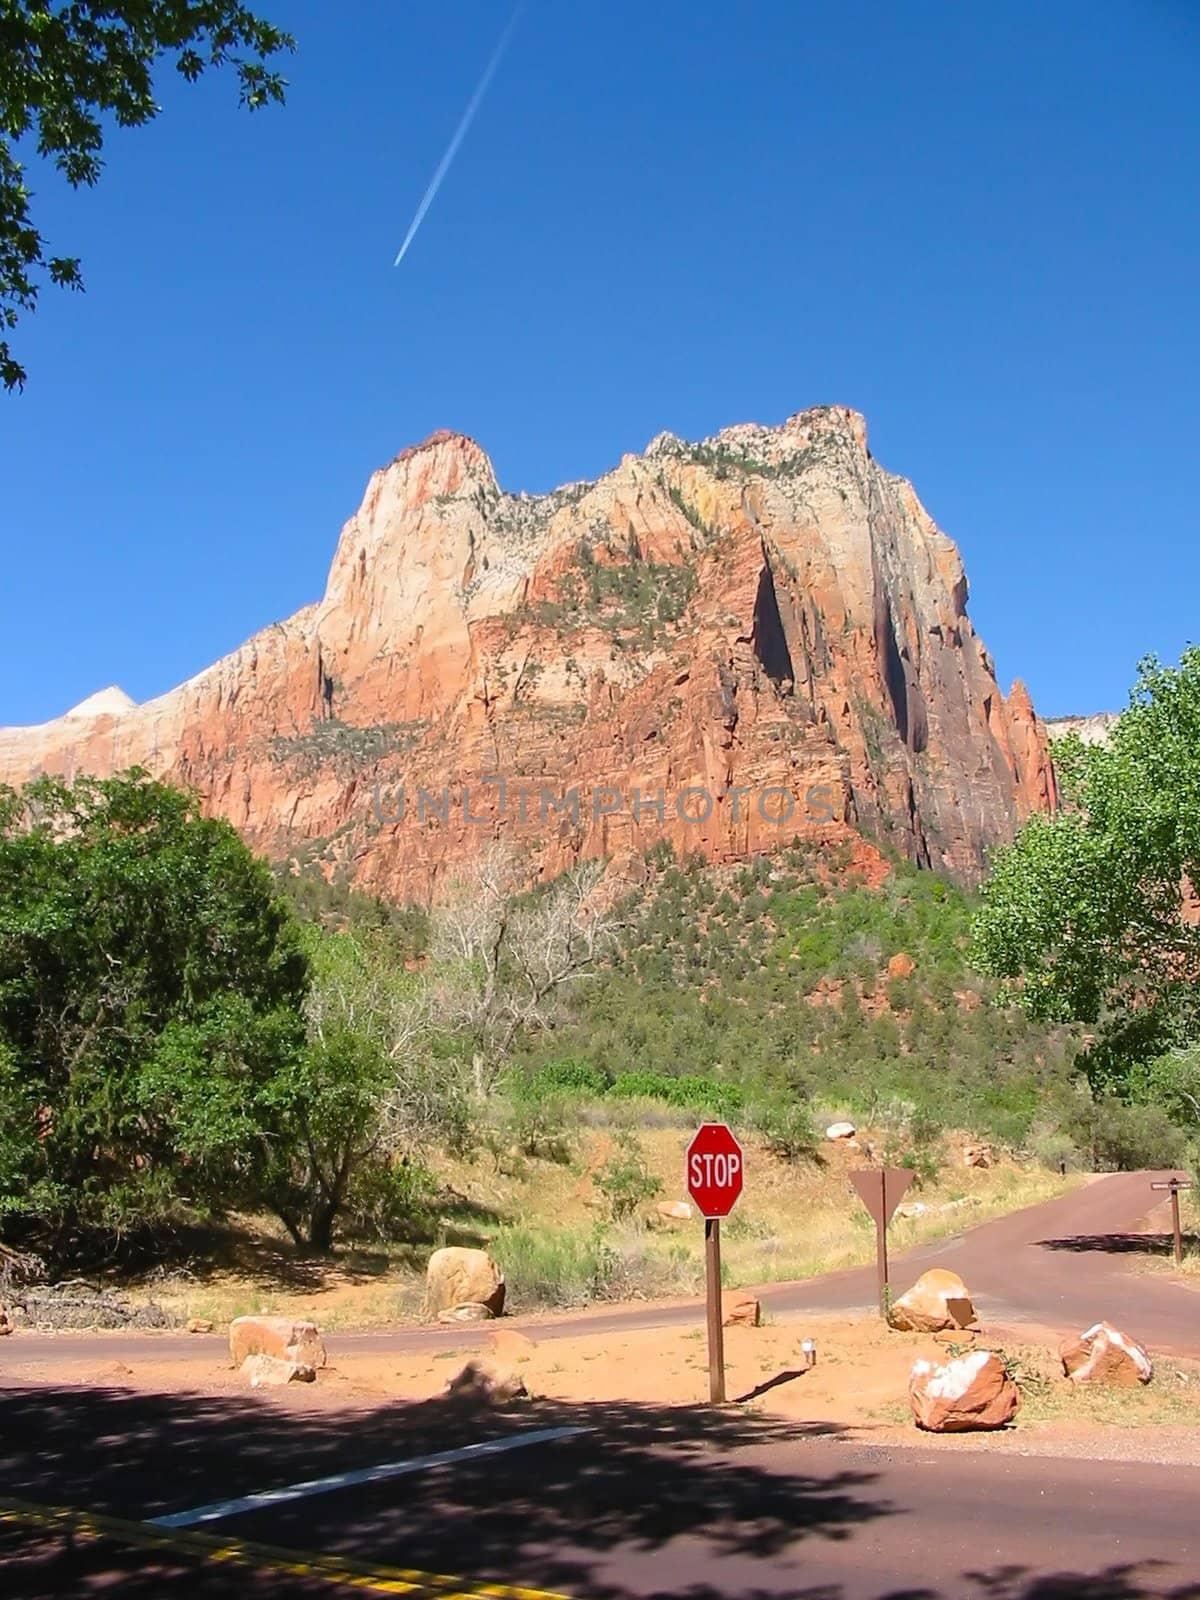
{"type": "Point", "coordinates": [265, 1557]}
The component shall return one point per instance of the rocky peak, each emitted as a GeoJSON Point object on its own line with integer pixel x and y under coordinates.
{"type": "Point", "coordinates": [1093, 728]}
{"type": "Point", "coordinates": [110, 702]}
{"type": "Point", "coordinates": [443, 466]}
{"type": "Point", "coordinates": [766, 612]}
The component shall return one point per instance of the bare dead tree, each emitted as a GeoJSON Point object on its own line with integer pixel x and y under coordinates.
{"type": "Point", "coordinates": [504, 959]}
{"type": "Point", "coordinates": [500, 963]}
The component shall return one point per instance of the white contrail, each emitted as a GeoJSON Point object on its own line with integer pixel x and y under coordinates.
{"type": "Point", "coordinates": [460, 134]}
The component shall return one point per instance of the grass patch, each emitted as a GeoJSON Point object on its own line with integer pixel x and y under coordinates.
{"type": "Point", "coordinates": [1172, 1395]}
{"type": "Point", "coordinates": [562, 1268]}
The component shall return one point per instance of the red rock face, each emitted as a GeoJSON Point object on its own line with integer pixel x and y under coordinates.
{"type": "Point", "coordinates": [727, 645]}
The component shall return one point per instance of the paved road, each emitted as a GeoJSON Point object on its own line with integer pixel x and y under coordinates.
{"type": "Point", "coordinates": [675, 1504]}
{"type": "Point", "coordinates": [650, 1503]}
{"type": "Point", "coordinates": [1063, 1265]}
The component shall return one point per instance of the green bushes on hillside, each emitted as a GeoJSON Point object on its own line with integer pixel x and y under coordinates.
{"type": "Point", "coordinates": [769, 986]}
{"type": "Point", "coordinates": [702, 1095]}
{"type": "Point", "coordinates": [175, 1044]}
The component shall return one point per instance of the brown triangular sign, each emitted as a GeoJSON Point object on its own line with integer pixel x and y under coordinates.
{"type": "Point", "coordinates": [881, 1190]}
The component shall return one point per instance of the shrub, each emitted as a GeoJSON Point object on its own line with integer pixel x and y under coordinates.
{"type": "Point", "coordinates": [559, 1267]}
{"type": "Point", "coordinates": [915, 1143]}
{"type": "Point", "coordinates": [625, 1180]}
{"type": "Point", "coordinates": [1126, 1138]}
{"type": "Point", "coordinates": [661, 855]}
{"type": "Point", "coordinates": [924, 1163]}
{"type": "Point", "coordinates": [1052, 1147]}
{"type": "Point", "coordinates": [565, 1267]}
{"type": "Point", "coordinates": [785, 1126]}
{"type": "Point", "coordinates": [538, 1126]}
{"type": "Point", "coordinates": [390, 1200]}
{"type": "Point", "coordinates": [570, 1075]}
{"type": "Point", "coordinates": [702, 1095]}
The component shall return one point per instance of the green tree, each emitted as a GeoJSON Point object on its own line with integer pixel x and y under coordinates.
{"type": "Point", "coordinates": [361, 988]}
{"type": "Point", "coordinates": [1083, 915]}
{"type": "Point", "coordinates": [151, 993]}
{"type": "Point", "coordinates": [302, 1112]}
{"type": "Point", "coordinates": [330, 1097]}
{"type": "Point", "coordinates": [67, 66]}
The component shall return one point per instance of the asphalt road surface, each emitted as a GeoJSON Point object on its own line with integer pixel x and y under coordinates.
{"type": "Point", "coordinates": [1064, 1265]}
{"type": "Point", "coordinates": [677, 1504]}
{"type": "Point", "coordinates": [644, 1501]}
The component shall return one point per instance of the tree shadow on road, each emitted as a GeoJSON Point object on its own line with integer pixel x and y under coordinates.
{"type": "Point", "coordinates": [1132, 1580]}
{"type": "Point", "coordinates": [675, 1503]}
{"type": "Point", "coordinates": [1143, 1244]}
{"type": "Point", "coordinates": [639, 1478]}
{"type": "Point", "coordinates": [1127, 1581]}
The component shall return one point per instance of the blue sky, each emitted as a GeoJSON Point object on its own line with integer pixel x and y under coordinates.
{"type": "Point", "coordinates": [976, 224]}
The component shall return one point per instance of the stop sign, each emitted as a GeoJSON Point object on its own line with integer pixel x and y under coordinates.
{"type": "Point", "coordinates": [714, 1170]}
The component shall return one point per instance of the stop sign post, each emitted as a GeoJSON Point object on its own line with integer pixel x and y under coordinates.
{"type": "Point", "coordinates": [715, 1172]}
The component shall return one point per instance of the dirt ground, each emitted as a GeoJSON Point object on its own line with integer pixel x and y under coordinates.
{"type": "Point", "coordinates": [857, 1388]}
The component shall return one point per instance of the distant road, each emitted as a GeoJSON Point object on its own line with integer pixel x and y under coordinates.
{"type": "Point", "coordinates": [1064, 1264]}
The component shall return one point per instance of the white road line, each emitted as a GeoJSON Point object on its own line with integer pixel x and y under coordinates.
{"type": "Point", "coordinates": [347, 1480]}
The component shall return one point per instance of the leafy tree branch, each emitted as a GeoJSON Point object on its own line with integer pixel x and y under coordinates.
{"type": "Point", "coordinates": [68, 67]}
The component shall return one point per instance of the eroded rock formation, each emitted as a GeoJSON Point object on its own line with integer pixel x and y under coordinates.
{"type": "Point", "coordinates": [767, 619]}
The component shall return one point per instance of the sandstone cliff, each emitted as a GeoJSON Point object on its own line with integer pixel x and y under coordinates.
{"type": "Point", "coordinates": [764, 635]}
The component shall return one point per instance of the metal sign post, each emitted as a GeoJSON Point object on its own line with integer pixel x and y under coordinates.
{"type": "Point", "coordinates": [881, 1190]}
{"type": "Point", "coordinates": [1173, 1186]}
{"type": "Point", "coordinates": [715, 1172]}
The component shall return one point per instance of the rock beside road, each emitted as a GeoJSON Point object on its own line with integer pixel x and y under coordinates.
{"type": "Point", "coordinates": [456, 1276]}
{"type": "Point", "coordinates": [510, 1346]}
{"type": "Point", "coordinates": [486, 1382]}
{"type": "Point", "coordinates": [937, 1301]}
{"type": "Point", "coordinates": [469, 1311]}
{"type": "Point", "coordinates": [840, 1132]}
{"type": "Point", "coordinates": [740, 1310]}
{"type": "Point", "coordinates": [674, 1210]}
{"type": "Point", "coordinates": [5, 1321]}
{"type": "Point", "coordinates": [971, 1393]}
{"type": "Point", "coordinates": [281, 1338]}
{"type": "Point", "coordinates": [267, 1371]}
{"type": "Point", "coordinates": [1106, 1355]}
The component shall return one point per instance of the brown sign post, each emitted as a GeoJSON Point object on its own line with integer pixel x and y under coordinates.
{"type": "Point", "coordinates": [716, 1171]}
{"type": "Point", "coordinates": [1173, 1186]}
{"type": "Point", "coordinates": [881, 1190]}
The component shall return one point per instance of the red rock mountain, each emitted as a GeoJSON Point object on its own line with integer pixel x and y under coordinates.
{"type": "Point", "coordinates": [726, 644]}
